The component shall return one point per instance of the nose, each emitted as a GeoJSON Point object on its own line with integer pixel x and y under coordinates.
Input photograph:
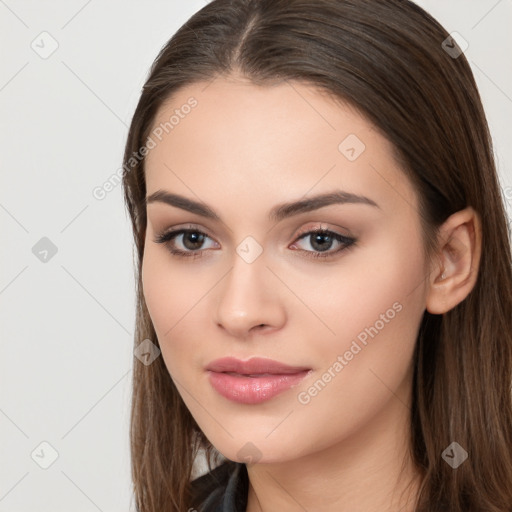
{"type": "Point", "coordinates": [249, 299]}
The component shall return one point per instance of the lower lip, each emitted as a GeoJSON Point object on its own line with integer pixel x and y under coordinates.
{"type": "Point", "coordinates": [253, 390]}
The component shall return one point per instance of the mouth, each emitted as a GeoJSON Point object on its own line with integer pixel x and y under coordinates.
{"type": "Point", "coordinates": [253, 376]}
{"type": "Point", "coordinates": [254, 366]}
{"type": "Point", "coordinates": [253, 381]}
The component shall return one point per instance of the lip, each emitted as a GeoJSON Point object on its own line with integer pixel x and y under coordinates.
{"type": "Point", "coordinates": [253, 381]}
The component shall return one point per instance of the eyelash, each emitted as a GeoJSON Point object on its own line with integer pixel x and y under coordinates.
{"type": "Point", "coordinates": [169, 236]}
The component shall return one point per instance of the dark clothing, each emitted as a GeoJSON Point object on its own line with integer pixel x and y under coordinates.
{"type": "Point", "coordinates": [224, 489]}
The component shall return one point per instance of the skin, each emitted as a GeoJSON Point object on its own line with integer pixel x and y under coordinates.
{"type": "Point", "coordinates": [243, 150]}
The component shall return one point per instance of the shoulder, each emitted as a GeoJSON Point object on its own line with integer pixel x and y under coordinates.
{"type": "Point", "coordinates": [224, 489]}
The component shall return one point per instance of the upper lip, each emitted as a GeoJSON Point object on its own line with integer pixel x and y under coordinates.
{"type": "Point", "coordinates": [255, 365]}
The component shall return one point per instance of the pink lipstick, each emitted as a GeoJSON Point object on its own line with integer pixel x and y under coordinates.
{"type": "Point", "coordinates": [253, 381]}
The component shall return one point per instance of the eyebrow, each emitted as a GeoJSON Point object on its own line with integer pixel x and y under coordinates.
{"type": "Point", "coordinates": [278, 213]}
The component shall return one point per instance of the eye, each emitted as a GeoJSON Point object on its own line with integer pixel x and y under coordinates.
{"type": "Point", "coordinates": [190, 240]}
{"type": "Point", "coordinates": [322, 240]}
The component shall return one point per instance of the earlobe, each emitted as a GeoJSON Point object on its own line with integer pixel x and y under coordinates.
{"type": "Point", "coordinates": [455, 271]}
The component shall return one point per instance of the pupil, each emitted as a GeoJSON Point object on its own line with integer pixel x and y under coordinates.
{"type": "Point", "coordinates": [322, 247]}
{"type": "Point", "coordinates": [196, 240]}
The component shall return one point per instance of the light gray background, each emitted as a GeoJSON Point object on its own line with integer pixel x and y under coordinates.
{"type": "Point", "coordinates": [67, 323]}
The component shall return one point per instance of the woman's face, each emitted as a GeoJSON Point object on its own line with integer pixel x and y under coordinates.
{"type": "Point", "coordinates": [341, 307]}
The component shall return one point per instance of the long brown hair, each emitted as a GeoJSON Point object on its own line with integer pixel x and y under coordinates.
{"type": "Point", "coordinates": [387, 59]}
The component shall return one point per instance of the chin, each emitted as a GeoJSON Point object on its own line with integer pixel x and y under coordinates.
{"type": "Point", "coordinates": [257, 451]}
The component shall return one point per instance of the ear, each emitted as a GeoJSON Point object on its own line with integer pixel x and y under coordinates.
{"type": "Point", "coordinates": [455, 266]}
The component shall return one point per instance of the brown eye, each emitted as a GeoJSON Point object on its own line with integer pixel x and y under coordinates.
{"type": "Point", "coordinates": [193, 240]}
{"type": "Point", "coordinates": [190, 240]}
{"type": "Point", "coordinates": [321, 240]}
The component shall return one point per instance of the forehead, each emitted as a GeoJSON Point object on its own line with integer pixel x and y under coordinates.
{"type": "Point", "coordinates": [232, 136]}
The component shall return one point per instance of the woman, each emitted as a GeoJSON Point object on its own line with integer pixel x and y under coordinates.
{"type": "Point", "coordinates": [324, 264]}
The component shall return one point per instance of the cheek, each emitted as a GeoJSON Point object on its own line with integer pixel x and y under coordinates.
{"type": "Point", "coordinates": [373, 295]}
{"type": "Point", "coordinates": [173, 299]}
{"type": "Point", "coordinates": [166, 290]}
{"type": "Point", "coordinates": [159, 288]}
{"type": "Point", "coordinates": [374, 310]}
